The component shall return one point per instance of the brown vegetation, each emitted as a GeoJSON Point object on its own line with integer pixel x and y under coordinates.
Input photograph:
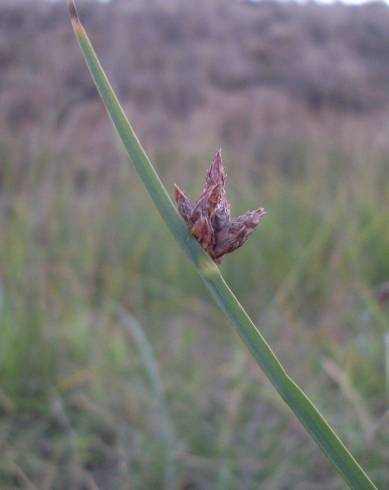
{"type": "Point", "coordinates": [247, 74]}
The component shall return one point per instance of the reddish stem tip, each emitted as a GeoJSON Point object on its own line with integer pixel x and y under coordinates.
{"type": "Point", "coordinates": [73, 10]}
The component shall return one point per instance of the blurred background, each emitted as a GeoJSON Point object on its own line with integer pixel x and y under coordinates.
{"type": "Point", "coordinates": [117, 371]}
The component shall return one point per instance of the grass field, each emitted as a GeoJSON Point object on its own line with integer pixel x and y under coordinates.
{"type": "Point", "coordinates": [116, 369]}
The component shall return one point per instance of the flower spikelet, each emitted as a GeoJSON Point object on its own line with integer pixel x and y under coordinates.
{"type": "Point", "coordinates": [209, 218]}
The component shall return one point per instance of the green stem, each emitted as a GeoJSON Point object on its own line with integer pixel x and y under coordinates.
{"type": "Point", "coordinates": [301, 405]}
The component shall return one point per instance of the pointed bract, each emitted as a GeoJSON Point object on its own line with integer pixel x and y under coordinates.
{"type": "Point", "coordinates": [184, 205]}
{"type": "Point", "coordinates": [216, 173]}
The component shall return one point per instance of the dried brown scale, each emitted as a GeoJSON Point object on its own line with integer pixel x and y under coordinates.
{"type": "Point", "coordinates": [209, 219]}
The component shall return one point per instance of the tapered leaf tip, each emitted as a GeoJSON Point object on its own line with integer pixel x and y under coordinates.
{"type": "Point", "coordinates": [73, 11]}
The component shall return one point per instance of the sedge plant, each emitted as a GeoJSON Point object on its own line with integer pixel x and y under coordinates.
{"type": "Point", "coordinates": [206, 267]}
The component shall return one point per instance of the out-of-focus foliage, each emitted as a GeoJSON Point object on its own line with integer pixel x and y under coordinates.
{"type": "Point", "coordinates": [243, 73]}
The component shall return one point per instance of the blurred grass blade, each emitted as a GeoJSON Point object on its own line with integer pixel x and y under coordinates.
{"type": "Point", "coordinates": [136, 331]}
{"type": "Point", "coordinates": [301, 405]}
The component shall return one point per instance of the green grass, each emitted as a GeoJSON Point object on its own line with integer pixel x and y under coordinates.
{"type": "Point", "coordinates": [75, 398]}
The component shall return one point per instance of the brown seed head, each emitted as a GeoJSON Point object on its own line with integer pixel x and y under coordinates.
{"type": "Point", "coordinates": [209, 219]}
